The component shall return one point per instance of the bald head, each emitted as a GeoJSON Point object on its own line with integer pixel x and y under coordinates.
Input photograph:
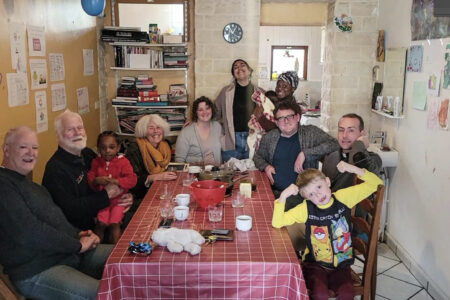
{"type": "Point", "coordinates": [20, 150]}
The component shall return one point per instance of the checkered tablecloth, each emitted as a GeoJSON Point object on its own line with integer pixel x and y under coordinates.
{"type": "Point", "coordinates": [259, 264]}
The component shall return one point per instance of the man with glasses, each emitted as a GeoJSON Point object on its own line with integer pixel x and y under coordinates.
{"type": "Point", "coordinates": [287, 150]}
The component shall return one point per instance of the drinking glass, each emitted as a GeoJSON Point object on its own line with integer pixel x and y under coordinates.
{"type": "Point", "coordinates": [215, 212]}
{"type": "Point", "coordinates": [188, 179]}
{"type": "Point", "coordinates": [166, 208]}
{"type": "Point", "coordinates": [165, 192]}
{"type": "Point", "coordinates": [238, 200]}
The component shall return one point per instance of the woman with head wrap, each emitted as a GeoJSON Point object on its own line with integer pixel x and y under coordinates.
{"type": "Point", "coordinates": [287, 83]}
{"type": "Point", "coordinates": [234, 108]}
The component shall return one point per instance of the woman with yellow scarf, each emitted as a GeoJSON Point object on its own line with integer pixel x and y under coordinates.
{"type": "Point", "coordinates": [150, 155]}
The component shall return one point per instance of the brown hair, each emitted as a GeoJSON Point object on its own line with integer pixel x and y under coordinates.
{"type": "Point", "coordinates": [208, 103]}
{"type": "Point", "coordinates": [355, 116]}
{"type": "Point", "coordinates": [308, 176]}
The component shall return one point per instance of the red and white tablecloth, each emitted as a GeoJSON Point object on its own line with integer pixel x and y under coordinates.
{"type": "Point", "coordinates": [259, 264]}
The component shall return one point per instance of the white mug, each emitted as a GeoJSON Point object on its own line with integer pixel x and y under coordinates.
{"type": "Point", "coordinates": [182, 199]}
{"type": "Point", "coordinates": [181, 212]}
{"type": "Point", "coordinates": [243, 223]}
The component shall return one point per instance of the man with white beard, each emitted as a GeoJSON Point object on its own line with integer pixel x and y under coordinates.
{"type": "Point", "coordinates": [65, 175]}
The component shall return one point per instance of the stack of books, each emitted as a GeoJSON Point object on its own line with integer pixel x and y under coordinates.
{"type": "Point", "coordinates": [177, 94]}
{"type": "Point", "coordinates": [175, 57]}
{"type": "Point", "coordinates": [126, 92]}
{"type": "Point", "coordinates": [147, 93]}
{"type": "Point", "coordinates": [124, 34]}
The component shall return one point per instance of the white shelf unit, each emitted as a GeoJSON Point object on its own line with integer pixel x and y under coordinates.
{"type": "Point", "coordinates": [133, 112]}
{"type": "Point", "coordinates": [387, 115]}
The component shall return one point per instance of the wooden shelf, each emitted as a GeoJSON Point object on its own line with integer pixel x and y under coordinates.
{"type": "Point", "coordinates": [144, 69]}
{"type": "Point", "coordinates": [387, 115]}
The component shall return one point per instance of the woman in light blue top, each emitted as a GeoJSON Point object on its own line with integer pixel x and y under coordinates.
{"type": "Point", "coordinates": [199, 142]}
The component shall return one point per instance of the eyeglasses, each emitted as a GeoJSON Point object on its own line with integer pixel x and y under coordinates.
{"type": "Point", "coordinates": [285, 118]}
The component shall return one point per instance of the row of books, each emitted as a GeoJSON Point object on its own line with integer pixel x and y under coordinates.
{"type": "Point", "coordinates": [129, 117]}
{"type": "Point", "coordinates": [146, 58]}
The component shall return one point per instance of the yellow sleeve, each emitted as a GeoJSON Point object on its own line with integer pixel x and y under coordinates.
{"type": "Point", "coordinates": [281, 218]}
{"type": "Point", "coordinates": [353, 195]}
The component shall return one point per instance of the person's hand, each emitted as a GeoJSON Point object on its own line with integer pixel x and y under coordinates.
{"type": "Point", "coordinates": [258, 111]}
{"type": "Point", "coordinates": [343, 166]}
{"type": "Point", "coordinates": [365, 140]}
{"type": "Point", "coordinates": [125, 200]}
{"type": "Point", "coordinates": [113, 190]}
{"type": "Point", "coordinates": [292, 189]}
{"type": "Point", "coordinates": [102, 180]}
{"type": "Point", "coordinates": [85, 233]}
{"type": "Point", "coordinates": [88, 242]}
{"type": "Point", "coordinates": [165, 176]}
{"type": "Point", "coordinates": [298, 165]}
{"type": "Point", "coordinates": [269, 170]}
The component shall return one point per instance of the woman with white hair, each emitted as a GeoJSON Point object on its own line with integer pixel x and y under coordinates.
{"type": "Point", "coordinates": [150, 154]}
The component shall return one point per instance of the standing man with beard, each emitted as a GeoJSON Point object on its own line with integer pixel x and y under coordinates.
{"type": "Point", "coordinates": [65, 175]}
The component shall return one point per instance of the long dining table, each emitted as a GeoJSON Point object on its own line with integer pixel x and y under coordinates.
{"type": "Point", "coordinates": [257, 264]}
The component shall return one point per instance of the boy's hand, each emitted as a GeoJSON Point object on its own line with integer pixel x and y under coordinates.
{"type": "Point", "coordinates": [289, 191]}
{"type": "Point", "coordinates": [342, 167]}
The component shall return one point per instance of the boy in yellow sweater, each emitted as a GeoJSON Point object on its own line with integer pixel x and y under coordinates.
{"type": "Point", "coordinates": [329, 253]}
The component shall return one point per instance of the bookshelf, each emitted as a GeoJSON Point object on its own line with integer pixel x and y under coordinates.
{"type": "Point", "coordinates": [166, 65]}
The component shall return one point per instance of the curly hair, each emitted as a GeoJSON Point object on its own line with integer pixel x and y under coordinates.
{"type": "Point", "coordinates": [108, 133]}
{"type": "Point", "coordinates": [196, 104]}
{"type": "Point", "coordinates": [140, 130]}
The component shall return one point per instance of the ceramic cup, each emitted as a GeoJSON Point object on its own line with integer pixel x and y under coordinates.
{"type": "Point", "coordinates": [209, 167]}
{"type": "Point", "coordinates": [182, 199]}
{"type": "Point", "coordinates": [243, 223]}
{"type": "Point", "coordinates": [194, 169]}
{"type": "Point", "coordinates": [181, 212]}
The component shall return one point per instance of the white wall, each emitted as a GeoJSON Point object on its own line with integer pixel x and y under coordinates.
{"type": "Point", "coordinates": [292, 36]}
{"type": "Point", "coordinates": [418, 218]}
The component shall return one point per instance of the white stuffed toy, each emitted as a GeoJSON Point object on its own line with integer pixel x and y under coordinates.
{"type": "Point", "coordinates": [176, 240]}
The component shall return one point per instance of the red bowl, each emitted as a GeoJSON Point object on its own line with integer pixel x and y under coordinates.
{"type": "Point", "coordinates": [208, 192]}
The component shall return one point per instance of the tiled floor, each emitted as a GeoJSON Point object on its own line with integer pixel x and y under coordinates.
{"type": "Point", "coordinates": [394, 281]}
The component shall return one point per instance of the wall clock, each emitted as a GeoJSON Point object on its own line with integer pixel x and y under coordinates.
{"type": "Point", "coordinates": [232, 33]}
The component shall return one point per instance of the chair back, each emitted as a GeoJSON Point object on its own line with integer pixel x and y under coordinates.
{"type": "Point", "coordinates": [366, 250]}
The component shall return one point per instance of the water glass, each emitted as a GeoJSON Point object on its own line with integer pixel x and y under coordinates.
{"type": "Point", "coordinates": [166, 208]}
{"type": "Point", "coordinates": [165, 193]}
{"type": "Point", "coordinates": [238, 200]}
{"type": "Point", "coordinates": [188, 179]}
{"type": "Point", "coordinates": [215, 212]}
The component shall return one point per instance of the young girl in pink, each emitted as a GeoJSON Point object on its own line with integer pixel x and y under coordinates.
{"type": "Point", "coordinates": [110, 168]}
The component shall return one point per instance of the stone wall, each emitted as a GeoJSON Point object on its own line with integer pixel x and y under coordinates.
{"type": "Point", "coordinates": [213, 55]}
{"type": "Point", "coordinates": [349, 58]}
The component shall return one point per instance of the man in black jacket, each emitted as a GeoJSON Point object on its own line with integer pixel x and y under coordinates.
{"type": "Point", "coordinates": [65, 175]}
{"type": "Point", "coordinates": [353, 144]}
{"type": "Point", "coordinates": [43, 254]}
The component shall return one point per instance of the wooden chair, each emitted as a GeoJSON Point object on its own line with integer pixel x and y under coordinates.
{"type": "Point", "coordinates": [365, 282]}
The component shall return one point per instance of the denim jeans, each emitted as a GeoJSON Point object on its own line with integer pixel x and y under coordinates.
{"type": "Point", "coordinates": [67, 282]}
{"type": "Point", "coordinates": [240, 151]}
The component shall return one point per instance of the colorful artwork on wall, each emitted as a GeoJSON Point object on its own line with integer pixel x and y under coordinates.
{"type": "Point", "coordinates": [424, 25]}
{"type": "Point", "coordinates": [415, 56]}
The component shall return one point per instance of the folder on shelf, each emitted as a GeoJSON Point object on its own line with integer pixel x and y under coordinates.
{"type": "Point", "coordinates": [140, 61]}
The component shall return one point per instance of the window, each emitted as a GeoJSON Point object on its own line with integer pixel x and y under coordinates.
{"type": "Point", "coordinates": [289, 58]}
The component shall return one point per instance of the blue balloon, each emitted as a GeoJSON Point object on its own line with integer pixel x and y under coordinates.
{"type": "Point", "coordinates": [93, 7]}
